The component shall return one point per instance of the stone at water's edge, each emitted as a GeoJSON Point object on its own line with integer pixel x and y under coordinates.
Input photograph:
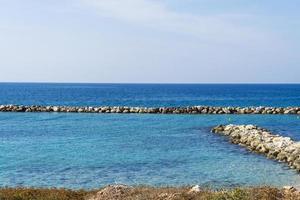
{"type": "Point", "coordinates": [262, 141]}
{"type": "Point", "coordinates": [112, 192]}
{"type": "Point", "coordinates": [157, 110]}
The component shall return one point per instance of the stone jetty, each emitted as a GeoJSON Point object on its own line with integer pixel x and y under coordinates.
{"type": "Point", "coordinates": [155, 110]}
{"type": "Point", "coordinates": [262, 141]}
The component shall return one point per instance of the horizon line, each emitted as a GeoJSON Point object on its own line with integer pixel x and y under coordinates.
{"type": "Point", "coordinates": [154, 83]}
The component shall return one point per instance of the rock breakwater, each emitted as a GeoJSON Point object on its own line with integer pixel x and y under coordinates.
{"type": "Point", "coordinates": [262, 141]}
{"type": "Point", "coordinates": [154, 110]}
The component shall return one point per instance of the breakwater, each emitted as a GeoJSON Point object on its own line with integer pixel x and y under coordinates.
{"type": "Point", "coordinates": [262, 141]}
{"type": "Point", "coordinates": [156, 110]}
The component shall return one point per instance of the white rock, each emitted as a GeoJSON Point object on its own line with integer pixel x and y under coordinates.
{"type": "Point", "coordinates": [195, 188]}
{"type": "Point", "coordinates": [289, 188]}
{"type": "Point", "coordinates": [55, 108]}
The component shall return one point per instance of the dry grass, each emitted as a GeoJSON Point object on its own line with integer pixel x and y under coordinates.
{"type": "Point", "coordinates": [42, 194]}
{"type": "Point", "coordinates": [147, 193]}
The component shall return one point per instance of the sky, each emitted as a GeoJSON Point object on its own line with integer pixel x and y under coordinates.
{"type": "Point", "coordinates": [150, 41]}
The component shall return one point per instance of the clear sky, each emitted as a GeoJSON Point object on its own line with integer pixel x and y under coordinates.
{"type": "Point", "coordinates": [161, 41]}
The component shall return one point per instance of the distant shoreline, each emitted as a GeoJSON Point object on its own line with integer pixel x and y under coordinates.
{"type": "Point", "coordinates": [153, 110]}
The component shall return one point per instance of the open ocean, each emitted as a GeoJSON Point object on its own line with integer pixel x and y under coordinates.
{"type": "Point", "coordinates": [86, 150]}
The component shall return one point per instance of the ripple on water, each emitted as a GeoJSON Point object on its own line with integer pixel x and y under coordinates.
{"type": "Point", "coordinates": [91, 150]}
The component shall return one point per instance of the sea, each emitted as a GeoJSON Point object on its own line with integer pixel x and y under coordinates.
{"type": "Point", "coordinates": [91, 150]}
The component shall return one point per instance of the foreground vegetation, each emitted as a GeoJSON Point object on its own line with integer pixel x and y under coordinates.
{"type": "Point", "coordinates": [148, 193]}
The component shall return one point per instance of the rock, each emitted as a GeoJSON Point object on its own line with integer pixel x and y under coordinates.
{"type": "Point", "coordinates": [195, 188]}
{"type": "Point", "coordinates": [2, 107]}
{"type": "Point", "coordinates": [157, 110]}
{"type": "Point", "coordinates": [112, 192]}
{"type": "Point", "coordinates": [259, 140]}
{"type": "Point", "coordinates": [55, 108]}
{"type": "Point", "coordinates": [289, 188]}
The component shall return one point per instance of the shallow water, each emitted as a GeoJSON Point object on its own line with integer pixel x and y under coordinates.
{"type": "Point", "coordinates": [91, 150]}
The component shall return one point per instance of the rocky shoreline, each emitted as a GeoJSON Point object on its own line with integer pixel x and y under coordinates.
{"type": "Point", "coordinates": [153, 110]}
{"type": "Point", "coordinates": [260, 140]}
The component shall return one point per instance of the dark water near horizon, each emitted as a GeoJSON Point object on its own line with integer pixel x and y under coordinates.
{"type": "Point", "coordinates": [86, 150]}
{"type": "Point", "coordinates": [150, 94]}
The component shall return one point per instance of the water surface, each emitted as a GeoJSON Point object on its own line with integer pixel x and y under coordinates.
{"type": "Point", "coordinates": [78, 150]}
{"type": "Point", "coordinates": [150, 94]}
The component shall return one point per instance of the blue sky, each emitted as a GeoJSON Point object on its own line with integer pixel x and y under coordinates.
{"type": "Point", "coordinates": [165, 41]}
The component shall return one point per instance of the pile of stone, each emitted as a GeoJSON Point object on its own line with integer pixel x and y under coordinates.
{"type": "Point", "coordinates": [262, 141]}
{"type": "Point", "coordinates": [156, 110]}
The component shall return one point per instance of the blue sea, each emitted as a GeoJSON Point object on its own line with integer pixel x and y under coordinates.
{"type": "Point", "coordinates": [87, 150]}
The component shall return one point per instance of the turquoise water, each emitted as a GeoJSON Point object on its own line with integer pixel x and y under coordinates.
{"type": "Point", "coordinates": [93, 150]}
